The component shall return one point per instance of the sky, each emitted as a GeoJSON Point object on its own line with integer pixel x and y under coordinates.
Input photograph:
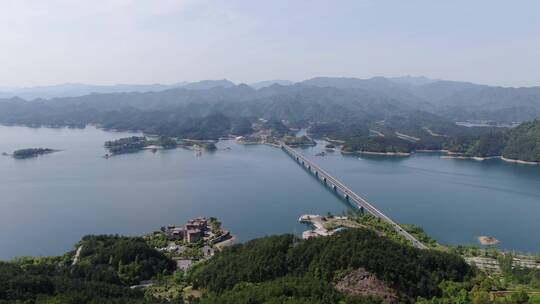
{"type": "Point", "coordinates": [164, 41]}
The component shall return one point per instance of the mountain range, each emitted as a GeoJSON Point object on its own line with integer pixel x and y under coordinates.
{"type": "Point", "coordinates": [348, 109]}
{"type": "Point", "coordinates": [79, 89]}
{"type": "Point", "coordinates": [452, 99]}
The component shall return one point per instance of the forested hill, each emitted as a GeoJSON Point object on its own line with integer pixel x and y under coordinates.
{"type": "Point", "coordinates": [271, 269]}
{"type": "Point", "coordinates": [355, 266]}
{"type": "Point", "coordinates": [276, 269]}
{"type": "Point", "coordinates": [454, 100]}
{"type": "Point", "coordinates": [524, 142]}
{"type": "Point", "coordinates": [179, 111]}
{"type": "Point", "coordinates": [520, 143]}
{"type": "Point", "coordinates": [103, 272]}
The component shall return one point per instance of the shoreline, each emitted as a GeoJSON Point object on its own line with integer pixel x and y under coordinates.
{"type": "Point", "coordinates": [403, 154]}
{"type": "Point", "coordinates": [518, 161]}
{"type": "Point", "coordinates": [477, 158]}
{"type": "Point", "coordinates": [250, 143]}
{"type": "Point", "coordinates": [431, 151]}
{"type": "Point", "coordinates": [450, 155]}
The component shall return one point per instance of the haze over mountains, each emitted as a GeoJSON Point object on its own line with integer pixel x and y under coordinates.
{"type": "Point", "coordinates": [325, 95]}
{"type": "Point", "coordinates": [79, 89]}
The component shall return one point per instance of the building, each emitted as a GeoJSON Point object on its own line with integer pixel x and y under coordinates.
{"type": "Point", "coordinates": [175, 233]}
{"type": "Point", "coordinates": [199, 223]}
{"type": "Point", "coordinates": [193, 235]}
{"type": "Point", "coordinates": [193, 231]}
{"type": "Point", "coordinates": [208, 251]}
{"type": "Point", "coordinates": [184, 264]}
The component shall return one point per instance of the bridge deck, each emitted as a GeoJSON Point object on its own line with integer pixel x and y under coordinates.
{"type": "Point", "coordinates": [349, 194]}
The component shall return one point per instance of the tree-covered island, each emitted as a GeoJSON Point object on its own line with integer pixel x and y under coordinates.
{"type": "Point", "coordinates": [137, 143]}
{"type": "Point", "coordinates": [127, 145]}
{"type": "Point", "coordinates": [32, 152]}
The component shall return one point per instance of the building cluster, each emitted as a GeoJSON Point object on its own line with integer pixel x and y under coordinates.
{"type": "Point", "coordinates": [193, 231]}
{"type": "Point", "coordinates": [201, 233]}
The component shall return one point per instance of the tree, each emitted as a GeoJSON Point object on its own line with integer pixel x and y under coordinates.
{"type": "Point", "coordinates": [519, 297]}
{"type": "Point", "coordinates": [481, 297]}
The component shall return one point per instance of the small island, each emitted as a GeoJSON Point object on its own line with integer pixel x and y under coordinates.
{"type": "Point", "coordinates": [31, 152]}
{"type": "Point", "coordinates": [488, 240]}
{"type": "Point", "coordinates": [138, 143]}
{"type": "Point", "coordinates": [127, 145]}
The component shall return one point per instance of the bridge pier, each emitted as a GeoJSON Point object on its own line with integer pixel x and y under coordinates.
{"type": "Point", "coordinates": [324, 180]}
{"type": "Point", "coordinates": [334, 187]}
{"type": "Point", "coordinates": [346, 197]}
{"type": "Point", "coordinates": [316, 173]}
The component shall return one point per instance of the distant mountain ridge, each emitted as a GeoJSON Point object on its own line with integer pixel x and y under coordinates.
{"type": "Point", "coordinates": [412, 80]}
{"type": "Point", "coordinates": [76, 89]}
{"type": "Point", "coordinates": [267, 83]}
{"type": "Point", "coordinates": [454, 100]}
{"type": "Point", "coordinates": [79, 89]}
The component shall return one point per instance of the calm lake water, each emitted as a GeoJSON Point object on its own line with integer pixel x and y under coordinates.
{"type": "Point", "coordinates": [48, 203]}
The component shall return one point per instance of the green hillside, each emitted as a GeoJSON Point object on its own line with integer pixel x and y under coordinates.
{"type": "Point", "coordinates": [270, 269]}
{"type": "Point", "coordinates": [524, 142]}
{"type": "Point", "coordinates": [107, 266]}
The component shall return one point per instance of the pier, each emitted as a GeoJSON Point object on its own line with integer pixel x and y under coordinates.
{"type": "Point", "coordinates": [339, 188]}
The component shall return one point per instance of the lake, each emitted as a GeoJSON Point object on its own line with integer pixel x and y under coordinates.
{"type": "Point", "coordinates": [48, 203]}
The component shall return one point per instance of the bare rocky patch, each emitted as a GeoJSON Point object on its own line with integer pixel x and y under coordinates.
{"type": "Point", "coordinates": [365, 284]}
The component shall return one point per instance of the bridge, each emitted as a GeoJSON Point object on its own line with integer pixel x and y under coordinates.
{"type": "Point", "coordinates": [347, 193]}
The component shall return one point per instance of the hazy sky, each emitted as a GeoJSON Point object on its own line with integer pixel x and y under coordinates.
{"type": "Point", "coordinates": [136, 41]}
